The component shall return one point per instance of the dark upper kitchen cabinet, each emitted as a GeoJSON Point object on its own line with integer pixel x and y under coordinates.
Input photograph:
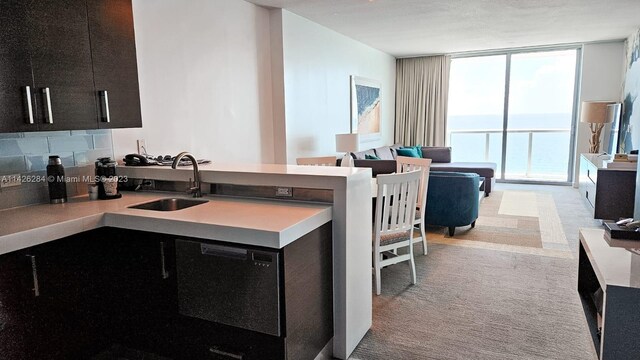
{"type": "Point", "coordinates": [115, 70]}
{"type": "Point", "coordinates": [17, 106]}
{"type": "Point", "coordinates": [61, 59]}
{"type": "Point", "coordinates": [75, 60]}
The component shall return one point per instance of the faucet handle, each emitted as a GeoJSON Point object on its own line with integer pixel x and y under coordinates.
{"type": "Point", "coordinates": [193, 189]}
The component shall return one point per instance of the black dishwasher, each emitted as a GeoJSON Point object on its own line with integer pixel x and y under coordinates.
{"type": "Point", "coordinates": [231, 285]}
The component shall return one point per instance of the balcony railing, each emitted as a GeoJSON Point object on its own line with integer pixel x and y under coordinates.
{"type": "Point", "coordinates": [487, 145]}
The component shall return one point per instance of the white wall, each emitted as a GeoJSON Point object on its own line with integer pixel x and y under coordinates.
{"type": "Point", "coordinates": [602, 72]}
{"type": "Point", "coordinates": [205, 80]}
{"type": "Point", "coordinates": [317, 66]}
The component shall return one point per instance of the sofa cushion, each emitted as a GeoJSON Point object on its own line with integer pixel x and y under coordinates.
{"type": "Point", "coordinates": [371, 157]}
{"type": "Point", "coordinates": [377, 166]}
{"type": "Point", "coordinates": [484, 169]}
{"type": "Point", "coordinates": [361, 154]}
{"type": "Point", "coordinates": [437, 154]}
{"type": "Point", "coordinates": [384, 153]}
{"type": "Point", "coordinates": [409, 151]}
{"type": "Point", "coordinates": [395, 147]}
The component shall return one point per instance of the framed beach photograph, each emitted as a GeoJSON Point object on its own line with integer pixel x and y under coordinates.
{"type": "Point", "coordinates": [365, 108]}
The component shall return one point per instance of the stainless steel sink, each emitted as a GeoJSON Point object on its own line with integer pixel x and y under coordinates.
{"type": "Point", "coordinates": [169, 204]}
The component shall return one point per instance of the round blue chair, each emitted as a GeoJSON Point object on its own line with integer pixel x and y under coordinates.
{"type": "Point", "coordinates": [452, 199]}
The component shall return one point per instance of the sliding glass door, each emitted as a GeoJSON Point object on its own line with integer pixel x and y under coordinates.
{"type": "Point", "coordinates": [515, 109]}
{"type": "Point", "coordinates": [476, 106]}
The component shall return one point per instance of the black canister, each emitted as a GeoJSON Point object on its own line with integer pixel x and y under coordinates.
{"type": "Point", "coordinates": [56, 180]}
{"type": "Point", "coordinates": [107, 179]}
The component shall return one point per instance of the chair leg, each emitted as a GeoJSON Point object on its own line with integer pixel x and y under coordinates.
{"type": "Point", "coordinates": [424, 239]}
{"type": "Point", "coordinates": [452, 230]}
{"type": "Point", "coordinates": [473, 224]}
{"type": "Point", "coordinates": [376, 272]}
{"type": "Point", "coordinates": [377, 278]}
{"type": "Point", "coordinates": [412, 264]}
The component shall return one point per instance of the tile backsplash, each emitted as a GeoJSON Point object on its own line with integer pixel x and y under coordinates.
{"type": "Point", "coordinates": [28, 154]}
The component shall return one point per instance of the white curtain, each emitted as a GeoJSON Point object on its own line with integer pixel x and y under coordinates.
{"type": "Point", "coordinates": [422, 89]}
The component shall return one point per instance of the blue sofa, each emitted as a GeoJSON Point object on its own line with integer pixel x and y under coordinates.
{"type": "Point", "coordinates": [452, 199]}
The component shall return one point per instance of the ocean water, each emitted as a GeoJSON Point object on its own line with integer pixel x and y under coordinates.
{"type": "Point", "coordinates": [549, 151]}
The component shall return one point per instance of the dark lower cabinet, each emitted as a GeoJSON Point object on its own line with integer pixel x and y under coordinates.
{"type": "Point", "coordinates": [16, 305]}
{"type": "Point", "coordinates": [80, 296]}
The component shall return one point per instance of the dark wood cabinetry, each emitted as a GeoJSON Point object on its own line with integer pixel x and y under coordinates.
{"type": "Point", "coordinates": [16, 80]}
{"type": "Point", "coordinates": [115, 70]}
{"type": "Point", "coordinates": [61, 60]}
{"type": "Point", "coordinates": [609, 192]}
{"type": "Point", "coordinates": [74, 59]}
{"type": "Point", "coordinates": [16, 304]}
{"type": "Point", "coordinates": [113, 286]}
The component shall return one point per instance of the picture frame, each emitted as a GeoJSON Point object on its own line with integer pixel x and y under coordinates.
{"type": "Point", "coordinates": [366, 115]}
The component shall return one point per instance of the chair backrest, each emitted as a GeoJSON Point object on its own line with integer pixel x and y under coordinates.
{"type": "Point", "coordinates": [405, 163]}
{"type": "Point", "coordinates": [396, 202]}
{"type": "Point", "coordinates": [317, 161]}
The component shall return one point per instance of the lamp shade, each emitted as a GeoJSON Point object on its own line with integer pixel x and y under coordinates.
{"type": "Point", "coordinates": [595, 112]}
{"type": "Point", "coordinates": [347, 142]}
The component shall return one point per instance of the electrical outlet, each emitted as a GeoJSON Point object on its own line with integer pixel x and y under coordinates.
{"type": "Point", "coordinates": [142, 146]}
{"type": "Point", "coordinates": [284, 191]}
{"type": "Point", "coordinates": [10, 180]}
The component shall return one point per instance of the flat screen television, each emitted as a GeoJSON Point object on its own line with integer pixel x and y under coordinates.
{"type": "Point", "coordinates": [613, 115]}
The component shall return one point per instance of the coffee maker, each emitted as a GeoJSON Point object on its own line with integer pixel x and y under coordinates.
{"type": "Point", "coordinates": [107, 179]}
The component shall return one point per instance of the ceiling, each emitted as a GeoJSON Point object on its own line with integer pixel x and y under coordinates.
{"type": "Point", "coordinates": [421, 27]}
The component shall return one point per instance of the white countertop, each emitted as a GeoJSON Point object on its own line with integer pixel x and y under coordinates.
{"type": "Point", "coordinates": [613, 265]}
{"type": "Point", "coordinates": [265, 223]}
{"type": "Point", "coordinates": [350, 214]}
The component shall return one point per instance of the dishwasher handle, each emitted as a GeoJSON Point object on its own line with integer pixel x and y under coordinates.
{"type": "Point", "coordinates": [223, 251]}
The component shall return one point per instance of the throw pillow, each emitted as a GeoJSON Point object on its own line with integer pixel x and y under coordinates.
{"type": "Point", "coordinates": [409, 151]}
{"type": "Point", "coordinates": [371, 157]}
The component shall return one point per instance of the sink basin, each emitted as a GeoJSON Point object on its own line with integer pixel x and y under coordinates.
{"type": "Point", "coordinates": [169, 204]}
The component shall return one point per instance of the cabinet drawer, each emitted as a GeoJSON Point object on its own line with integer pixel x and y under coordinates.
{"type": "Point", "coordinates": [200, 339]}
{"type": "Point", "coordinates": [592, 174]}
{"type": "Point", "coordinates": [590, 193]}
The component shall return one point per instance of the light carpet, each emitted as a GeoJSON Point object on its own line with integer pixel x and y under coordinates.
{"type": "Point", "coordinates": [483, 303]}
{"type": "Point", "coordinates": [512, 220]}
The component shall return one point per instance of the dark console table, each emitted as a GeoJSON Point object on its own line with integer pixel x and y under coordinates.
{"type": "Point", "coordinates": [609, 288]}
{"type": "Point", "coordinates": [609, 192]}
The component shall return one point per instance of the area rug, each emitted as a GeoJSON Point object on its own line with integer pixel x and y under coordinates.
{"type": "Point", "coordinates": [509, 220]}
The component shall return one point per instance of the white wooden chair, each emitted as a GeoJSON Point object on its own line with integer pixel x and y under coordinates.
{"type": "Point", "coordinates": [393, 225]}
{"type": "Point", "coordinates": [404, 164]}
{"type": "Point", "coordinates": [317, 161]}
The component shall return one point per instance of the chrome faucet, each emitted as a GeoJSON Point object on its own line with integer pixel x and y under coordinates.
{"type": "Point", "coordinates": [195, 189]}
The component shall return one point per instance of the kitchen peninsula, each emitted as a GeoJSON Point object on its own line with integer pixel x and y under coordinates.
{"type": "Point", "coordinates": [350, 188]}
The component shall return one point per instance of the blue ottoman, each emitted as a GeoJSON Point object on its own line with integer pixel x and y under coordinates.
{"type": "Point", "coordinates": [452, 199]}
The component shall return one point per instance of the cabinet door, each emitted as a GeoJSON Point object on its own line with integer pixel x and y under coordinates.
{"type": "Point", "coordinates": [114, 63]}
{"type": "Point", "coordinates": [61, 60]}
{"type": "Point", "coordinates": [16, 305]}
{"type": "Point", "coordinates": [16, 80]}
{"type": "Point", "coordinates": [139, 293]}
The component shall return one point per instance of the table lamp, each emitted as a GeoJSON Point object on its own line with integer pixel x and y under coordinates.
{"type": "Point", "coordinates": [594, 113]}
{"type": "Point", "coordinates": [347, 143]}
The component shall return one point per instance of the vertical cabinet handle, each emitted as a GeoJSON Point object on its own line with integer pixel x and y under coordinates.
{"type": "Point", "coordinates": [34, 273]}
{"type": "Point", "coordinates": [104, 96]}
{"type": "Point", "coordinates": [48, 114]}
{"type": "Point", "coordinates": [27, 95]}
{"type": "Point", "coordinates": [165, 273]}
